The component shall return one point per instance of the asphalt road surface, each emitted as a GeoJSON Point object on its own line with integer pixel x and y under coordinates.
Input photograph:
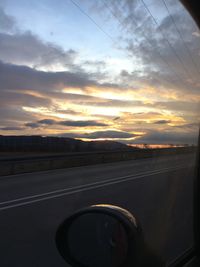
{"type": "Point", "coordinates": [158, 191]}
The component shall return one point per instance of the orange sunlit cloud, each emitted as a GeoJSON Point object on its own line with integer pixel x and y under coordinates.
{"type": "Point", "coordinates": [83, 85]}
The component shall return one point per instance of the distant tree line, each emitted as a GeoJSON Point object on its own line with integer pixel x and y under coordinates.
{"type": "Point", "coordinates": [55, 144]}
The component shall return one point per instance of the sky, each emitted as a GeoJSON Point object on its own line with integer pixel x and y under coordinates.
{"type": "Point", "coordinates": [125, 71]}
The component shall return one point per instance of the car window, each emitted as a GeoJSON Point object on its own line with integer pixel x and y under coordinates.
{"type": "Point", "coordinates": [99, 103]}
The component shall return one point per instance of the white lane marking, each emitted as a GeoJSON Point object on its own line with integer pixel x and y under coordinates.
{"type": "Point", "coordinates": [84, 185]}
{"type": "Point", "coordinates": [87, 187]}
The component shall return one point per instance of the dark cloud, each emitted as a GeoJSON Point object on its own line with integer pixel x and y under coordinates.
{"type": "Point", "coordinates": [169, 137]}
{"type": "Point", "coordinates": [101, 134]}
{"type": "Point", "coordinates": [32, 124]}
{"type": "Point", "coordinates": [49, 84]}
{"type": "Point", "coordinates": [14, 114]}
{"type": "Point", "coordinates": [160, 50]}
{"type": "Point", "coordinates": [154, 77]}
{"type": "Point", "coordinates": [28, 49]}
{"type": "Point", "coordinates": [68, 123]}
{"type": "Point", "coordinates": [9, 98]}
{"type": "Point", "coordinates": [116, 118]}
{"type": "Point", "coordinates": [189, 126]}
{"type": "Point", "coordinates": [26, 78]}
{"type": "Point", "coordinates": [25, 48]}
{"type": "Point", "coordinates": [82, 123]}
{"type": "Point", "coordinates": [163, 78]}
{"type": "Point", "coordinates": [186, 106]}
{"type": "Point", "coordinates": [162, 122]}
{"type": "Point", "coordinates": [47, 122]}
{"type": "Point", "coordinates": [11, 128]}
{"type": "Point", "coordinates": [7, 23]}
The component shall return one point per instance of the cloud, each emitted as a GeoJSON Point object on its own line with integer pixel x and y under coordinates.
{"type": "Point", "coordinates": [20, 47]}
{"type": "Point", "coordinates": [28, 49]}
{"type": "Point", "coordinates": [24, 86]}
{"type": "Point", "coordinates": [67, 123]}
{"type": "Point", "coordinates": [32, 124]}
{"type": "Point", "coordinates": [82, 123]}
{"type": "Point", "coordinates": [169, 137]}
{"type": "Point", "coordinates": [7, 23]}
{"type": "Point", "coordinates": [47, 122]}
{"type": "Point", "coordinates": [11, 128]}
{"type": "Point", "coordinates": [116, 118]}
{"type": "Point", "coordinates": [188, 127]}
{"type": "Point", "coordinates": [76, 98]}
{"type": "Point", "coordinates": [25, 48]}
{"type": "Point", "coordinates": [162, 79]}
{"type": "Point", "coordinates": [158, 49]}
{"type": "Point", "coordinates": [26, 78]}
{"type": "Point", "coordinates": [48, 83]}
{"type": "Point", "coordinates": [102, 134]}
{"type": "Point", "coordinates": [67, 111]}
{"type": "Point", "coordinates": [9, 98]}
{"type": "Point", "coordinates": [95, 63]}
{"type": "Point", "coordinates": [12, 114]}
{"type": "Point", "coordinates": [186, 106]}
{"type": "Point", "coordinates": [162, 122]}
{"type": "Point", "coordinates": [38, 74]}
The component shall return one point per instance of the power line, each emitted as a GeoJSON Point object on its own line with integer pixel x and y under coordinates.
{"type": "Point", "coordinates": [101, 29]}
{"type": "Point", "coordinates": [148, 39]}
{"type": "Point", "coordinates": [91, 19]}
{"type": "Point", "coordinates": [181, 36]}
{"type": "Point", "coordinates": [170, 45]}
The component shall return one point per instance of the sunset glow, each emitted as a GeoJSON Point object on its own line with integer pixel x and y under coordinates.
{"type": "Point", "coordinates": [62, 76]}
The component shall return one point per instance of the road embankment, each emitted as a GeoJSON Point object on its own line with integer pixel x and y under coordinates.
{"type": "Point", "coordinates": [24, 164]}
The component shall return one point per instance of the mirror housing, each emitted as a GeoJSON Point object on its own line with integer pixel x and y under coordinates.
{"type": "Point", "coordinates": [103, 236]}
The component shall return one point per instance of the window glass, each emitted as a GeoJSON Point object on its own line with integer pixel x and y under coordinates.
{"type": "Point", "coordinates": [114, 86]}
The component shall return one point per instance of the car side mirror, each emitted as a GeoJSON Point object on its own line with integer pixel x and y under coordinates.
{"type": "Point", "coordinates": [102, 235]}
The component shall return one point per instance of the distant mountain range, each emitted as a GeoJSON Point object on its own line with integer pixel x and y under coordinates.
{"type": "Point", "coordinates": [56, 144]}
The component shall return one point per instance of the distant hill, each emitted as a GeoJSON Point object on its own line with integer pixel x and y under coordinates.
{"type": "Point", "coordinates": [56, 144]}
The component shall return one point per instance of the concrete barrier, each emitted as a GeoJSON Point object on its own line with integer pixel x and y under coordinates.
{"type": "Point", "coordinates": [41, 163]}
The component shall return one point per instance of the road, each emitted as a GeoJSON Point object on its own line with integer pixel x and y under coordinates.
{"type": "Point", "coordinates": [157, 190]}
